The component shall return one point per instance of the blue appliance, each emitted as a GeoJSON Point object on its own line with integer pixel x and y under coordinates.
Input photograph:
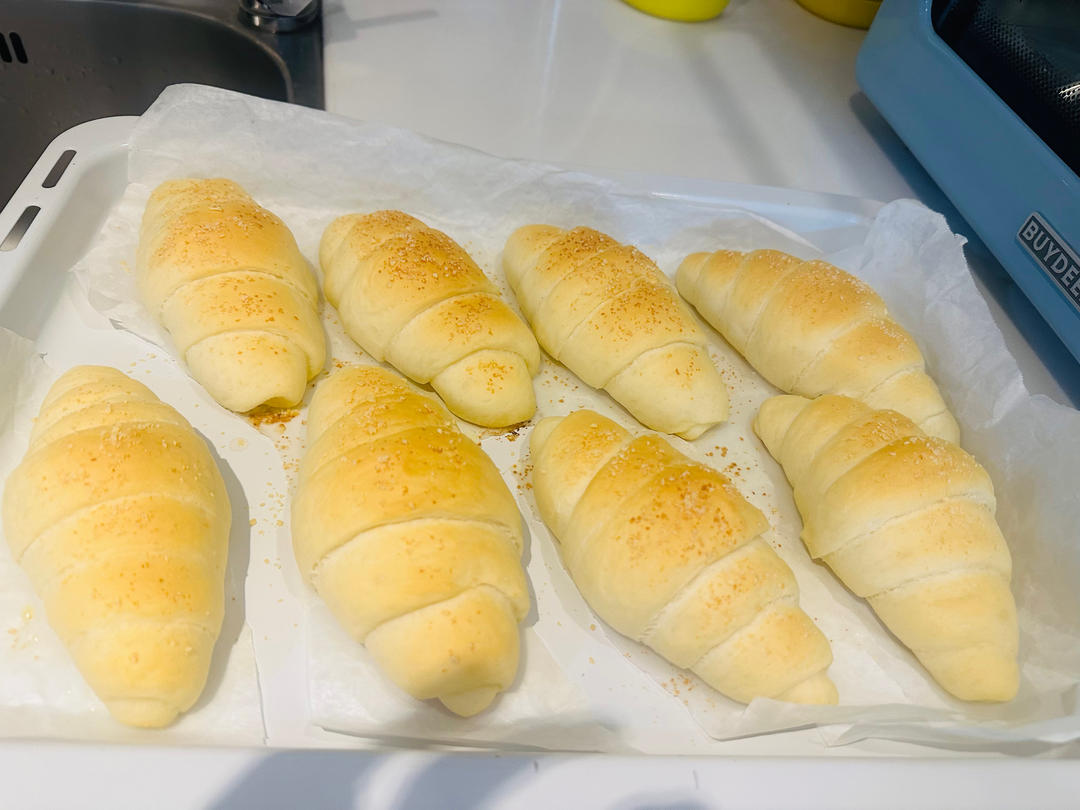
{"type": "Point", "coordinates": [986, 94]}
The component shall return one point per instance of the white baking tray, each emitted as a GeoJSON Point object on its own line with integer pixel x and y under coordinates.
{"type": "Point", "coordinates": [36, 301]}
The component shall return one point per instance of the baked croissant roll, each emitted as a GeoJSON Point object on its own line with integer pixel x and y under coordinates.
{"type": "Point", "coordinates": [119, 515]}
{"type": "Point", "coordinates": [607, 313]}
{"type": "Point", "coordinates": [810, 328]}
{"type": "Point", "coordinates": [404, 526]}
{"type": "Point", "coordinates": [225, 278]}
{"type": "Point", "coordinates": [905, 520]}
{"type": "Point", "coordinates": [667, 552]}
{"type": "Point", "coordinates": [412, 296]}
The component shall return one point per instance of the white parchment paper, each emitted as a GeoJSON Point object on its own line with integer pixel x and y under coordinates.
{"type": "Point", "coordinates": [42, 694]}
{"type": "Point", "coordinates": [580, 678]}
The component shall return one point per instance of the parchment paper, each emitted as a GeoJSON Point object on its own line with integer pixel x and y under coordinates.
{"type": "Point", "coordinates": [42, 694]}
{"type": "Point", "coordinates": [309, 167]}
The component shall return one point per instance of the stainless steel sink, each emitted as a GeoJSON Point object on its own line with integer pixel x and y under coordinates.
{"type": "Point", "coordinates": [63, 62]}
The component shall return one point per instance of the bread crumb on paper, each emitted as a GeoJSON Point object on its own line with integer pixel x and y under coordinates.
{"type": "Point", "coordinates": [271, 416]}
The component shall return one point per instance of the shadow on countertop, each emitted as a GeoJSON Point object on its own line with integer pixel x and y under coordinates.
{"type": "Point", "coordinates": [428, 780]}
{"type": "Point", "coordinates": [330, 780]}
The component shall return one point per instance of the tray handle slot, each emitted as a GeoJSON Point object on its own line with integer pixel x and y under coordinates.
{"type": "Point", "coordinates": [58, 169]}
{"type": "Point", "coordinates": [19, 229]}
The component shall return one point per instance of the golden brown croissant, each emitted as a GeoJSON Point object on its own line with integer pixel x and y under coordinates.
{"type": "Point", "coordinates": [119, 515]}
{"type": "Point", "coordinates": [410, 295]}
{"type": "Point", "coordinates": [607, 313]}
{"type": "Point", "coordinates": [905, 520]}
{"type": "Point", "coordinates": [404, 526]}
{"type": "Point", "coordinates": [667, 552]}
{"type": "Point", "coordinates": [225, 278]}
{"type": "Point", "coordinates": [810, 328]}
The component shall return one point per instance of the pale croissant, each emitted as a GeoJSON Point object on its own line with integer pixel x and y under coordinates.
{"type": "Point", "coordinates": [905, 520]}
{"type": "Point", "coordinates": [225, 278]}
{"type": "Point", "coordinates": [607, 313]}
{"type": "Point", "coordinates": [404, 526]}
{"type": "Point", "coordinates": [810, 328]}
{"type": "Point", "coordinates": [667, 552]}
{"type": "Point", "coordinates": [410, 295]}
{"type": "Point", "coordinates": [119, 515]}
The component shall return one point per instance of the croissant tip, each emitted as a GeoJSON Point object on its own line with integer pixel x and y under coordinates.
{"type": "Point", "coordinates": [472, 702]}
{"type": "Point", "coordinates": [143, 712]}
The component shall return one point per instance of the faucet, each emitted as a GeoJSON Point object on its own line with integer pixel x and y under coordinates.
{"type": "Point", "coordinates": [279, 16]}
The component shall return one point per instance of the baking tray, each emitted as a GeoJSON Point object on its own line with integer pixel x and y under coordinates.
{"type": "Point", "coordinates": [41, 301]}
{"type": "Point", "coordinates": [37, 301]}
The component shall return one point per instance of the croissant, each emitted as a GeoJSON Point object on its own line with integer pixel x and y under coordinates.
{"type": "Point", "coordinates": [905, 520]}
{"type": "Point", "coordinates": [405, 528]}
{"type": "Point", "coordinates": [410, 295]}
{"type": "Point", "coordinates": [810, 328]}
{"type": "Point", "coordinates": [120, 517]}
{"type": "Point", "coordinates": [225, 278]}
{"type": "Point", "coordinates": [667, 552]}
{"type": "Point", "coordinates": [608, 314]}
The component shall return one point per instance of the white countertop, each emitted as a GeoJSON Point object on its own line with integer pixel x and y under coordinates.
{"type": "Point", "coordinates": [760, 95]}
{"type": "Point", "coordinates": [139, 778]}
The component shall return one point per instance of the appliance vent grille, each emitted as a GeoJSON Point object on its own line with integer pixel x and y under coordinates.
{"type": "Point", "coordinates": [1028, 52]}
